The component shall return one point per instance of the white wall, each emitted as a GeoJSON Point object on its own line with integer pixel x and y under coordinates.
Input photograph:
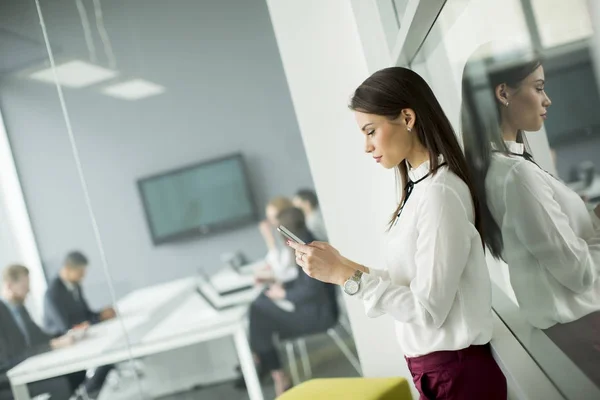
{"type": "Point", "coordinates": [17, 242]}
{"type": "Point", "coordinates": [324, 62]}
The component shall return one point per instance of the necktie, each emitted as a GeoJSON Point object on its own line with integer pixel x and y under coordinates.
{"type": "Point", "coordinates": [409, 188]}
{"type": "Point", "coordinates": [21, 318]}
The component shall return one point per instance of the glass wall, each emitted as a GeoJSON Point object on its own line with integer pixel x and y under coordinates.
{"type": "Point", "coordinates": [519, 81]}
{"type": "Point", "coordinates": [157, 148]}
{"type": "Point", "coordinates": [44, 312]}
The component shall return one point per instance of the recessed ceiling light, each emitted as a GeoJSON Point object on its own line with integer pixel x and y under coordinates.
{"type": "Point", "coordinates": [133, 89]}
{"type": "Point", "coordinates": [75, 74]}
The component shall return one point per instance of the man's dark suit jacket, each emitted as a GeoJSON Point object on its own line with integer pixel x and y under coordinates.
{"type": "Point", "coordinates": [63, 309]}
{"type": "Point", "coordinates": [14, 349]}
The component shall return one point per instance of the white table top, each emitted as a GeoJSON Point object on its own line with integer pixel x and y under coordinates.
{"type": "Point", "coordinates": [194, 316]}
{"type": "Point", "coordinates": [163, 317]}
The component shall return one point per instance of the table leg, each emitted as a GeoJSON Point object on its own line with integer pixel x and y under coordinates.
{"type": "Point", "coordinates": [247, 365]}
{"type": "Point", "coordinates": [20, 392]}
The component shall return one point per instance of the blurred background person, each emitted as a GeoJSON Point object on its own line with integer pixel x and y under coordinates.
{"type": "Point", "coordinates": [65, 307]}
{"type": "Point", "coordinates": [307, 201]}
{"type": "Point", "coordinates": [21, 337]}
{"type": "Point", "coordinates": [313, 308]}
{"type": "Point", "coordinates": [281, 266]}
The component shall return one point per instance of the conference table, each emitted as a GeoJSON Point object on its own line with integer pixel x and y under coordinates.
{"type": "Point", "coordinates": [152, 320]}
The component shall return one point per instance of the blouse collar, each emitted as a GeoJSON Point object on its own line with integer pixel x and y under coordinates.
{"type": "Point", "coordinates": [514, 147]}
{"type": "Point", "coordinates": [414, 174]}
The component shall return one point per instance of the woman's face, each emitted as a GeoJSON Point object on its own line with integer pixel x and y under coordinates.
{"type": "Point", "coordinates": [389, 141]}
{"type": "Point", "coordinates": [271, 213]}
{"type": "Point", "coordinates": [527, 104]}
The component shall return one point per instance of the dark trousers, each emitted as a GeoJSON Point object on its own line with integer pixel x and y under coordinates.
{"type": "Point", "coordinates": [58, 388]}
{"type": "Point", "coordinates": [267, 319]}
{"type": "Point", "coordinates": [92, 385]}
{"type": "Point", "coordinates": [470, 373]}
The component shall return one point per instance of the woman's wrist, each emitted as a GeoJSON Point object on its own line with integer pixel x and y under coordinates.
{"type": "Point", "coordinates": [348, 268]}
{"type": "Point", "coordinates": [355, 266]}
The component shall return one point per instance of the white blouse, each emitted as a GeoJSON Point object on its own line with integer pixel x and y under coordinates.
{"type": "Point", "coordinates": [551, 241]}
{"type": "Point", "coordinates": [436, 285]}
{"type": "Point", "coordinates": [282, 261]}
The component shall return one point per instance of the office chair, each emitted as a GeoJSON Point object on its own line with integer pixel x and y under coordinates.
{"type": "Point", "coordinates": [300, 343]}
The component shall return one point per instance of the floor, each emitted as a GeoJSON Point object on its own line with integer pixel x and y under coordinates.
{"type": "Point", "coordinates": [326, 362]}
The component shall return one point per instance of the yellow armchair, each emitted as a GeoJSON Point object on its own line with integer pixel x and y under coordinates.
{"type": "Point", "coordinates": [350, 389]}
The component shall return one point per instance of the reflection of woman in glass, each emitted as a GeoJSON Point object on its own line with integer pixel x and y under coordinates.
{"type": "Point", "coordinates": [543, 229]}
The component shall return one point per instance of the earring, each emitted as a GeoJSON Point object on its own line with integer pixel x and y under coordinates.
{"type": "Point", "coordinates": [408, 128]}
{"type": "Point", "coordinates": [506, 104]}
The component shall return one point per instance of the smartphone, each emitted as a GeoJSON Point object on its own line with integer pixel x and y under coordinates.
{"type": "Point", "coordinates": [288, 234]}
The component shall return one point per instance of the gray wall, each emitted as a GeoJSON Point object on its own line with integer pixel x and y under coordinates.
{"type": "Point", "coordinates": [226, 92]}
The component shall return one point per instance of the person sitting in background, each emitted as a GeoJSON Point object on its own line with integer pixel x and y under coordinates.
{"type": "Point", "coordinates": [21, 338]}
{"type": "Point", "coordinates": [307, 201]}
{"type": "Point", "coordinates": [281, 266]}
{"type": "Point", "coordinates": [313, 308]}
{"type": "Point", "coordinates": [65, 307]}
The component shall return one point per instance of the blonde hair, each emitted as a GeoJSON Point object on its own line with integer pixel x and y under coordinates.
{"type": "Point", "coordinates": [280, 203]}
{"type": "Point", "coordinates": [13, 273]}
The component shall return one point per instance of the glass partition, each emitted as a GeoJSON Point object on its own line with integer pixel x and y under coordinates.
{"type": "Point", "coordinates": [159, 142]}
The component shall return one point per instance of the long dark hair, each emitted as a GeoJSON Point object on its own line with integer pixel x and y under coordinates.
{"type": "Point", "coordinates": [389, 91]}
{"type": "Point", "coordinates": [480, 124]}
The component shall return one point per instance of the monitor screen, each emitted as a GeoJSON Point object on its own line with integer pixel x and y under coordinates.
{"type": "Point", "coordinates": [198, 200]}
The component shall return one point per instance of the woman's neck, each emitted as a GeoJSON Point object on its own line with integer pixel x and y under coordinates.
{"type": "Point", "coordinates": [509, 134]}
{"type": "Point", "coordinates": [418, 157]}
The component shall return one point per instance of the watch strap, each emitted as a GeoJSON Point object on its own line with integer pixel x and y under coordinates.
{"type": "Point", "coordinates": [357, 275]}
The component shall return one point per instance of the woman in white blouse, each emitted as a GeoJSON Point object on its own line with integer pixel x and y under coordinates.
{"type": "Point", "coordinates": [436, 285]}
{"type": "Point", "coordinates": [542, 229]}
{"type": "Point", "coordinates": [281, 266]}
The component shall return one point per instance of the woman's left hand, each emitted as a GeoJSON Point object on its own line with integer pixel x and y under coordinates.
{"type": "Point", "coordinates": [322, 261]}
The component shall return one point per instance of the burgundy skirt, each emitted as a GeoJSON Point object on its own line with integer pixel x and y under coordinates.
{"type": "Point", "coordinates": [467, 374]}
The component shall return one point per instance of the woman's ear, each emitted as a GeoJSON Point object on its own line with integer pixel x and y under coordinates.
{"type": "Point", "coordinates": [501, 94]}
{"type": "Point", "coordinates": [409, 118]}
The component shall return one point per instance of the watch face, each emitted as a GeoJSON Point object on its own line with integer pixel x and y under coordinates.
{"type": "Point", "coordinates": [351, 286]}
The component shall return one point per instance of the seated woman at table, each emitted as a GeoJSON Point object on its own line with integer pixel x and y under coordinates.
{"type": "Point", "coordinates": [281, 266]}
{"type": "Point", "coordinates": [313, 308]}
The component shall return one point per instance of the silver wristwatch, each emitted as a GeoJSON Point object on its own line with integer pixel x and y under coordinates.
{"type": "Point", "coordinates": [352, 285]}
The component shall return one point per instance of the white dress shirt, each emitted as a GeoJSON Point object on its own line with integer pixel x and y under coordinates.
{"type": "Point", "coordinates": [551, 241]}
{"type": "Point", "coordinates": [436, 285]}
{"type": "Point", "coordinates": [282, 261]}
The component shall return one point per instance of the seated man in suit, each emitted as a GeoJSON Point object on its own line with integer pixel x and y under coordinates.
{"type": "Point", "coordinates": [65, 306]}
{"type": "Point", "coordinates": [20, 337]}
